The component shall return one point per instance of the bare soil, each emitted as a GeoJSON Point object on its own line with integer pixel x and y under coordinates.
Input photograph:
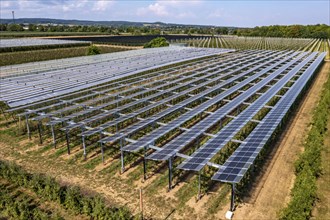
{"type": "Point", "coordinates": [271, 191]}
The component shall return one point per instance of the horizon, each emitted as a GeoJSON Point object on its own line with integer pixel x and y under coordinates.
{"type": "Point", "coordinates": [152, 22]}
{"type": "Point", "coordinates": [199, 12]}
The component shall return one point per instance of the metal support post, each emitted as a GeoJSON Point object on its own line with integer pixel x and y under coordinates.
{"type": "Point", "coordinates": [53, 134]}
{"type": "Point", "coordinates": [122, 156]}
{"type": "Point", "coordinates": [84, 146]}
{"type": "Point", "coordinates": [67, 140]}
{"type": "Point", "coordinates": [27, 125]}
{"type": "Point", "coordinates": [232, 203]}
{"type": "Point", "coordinates": [40, 131]}
{"type": "Point", "coordinates": [102, 152]}
{"type": "Point", "coordinates": [145, 164]}
{"type": "Point", "coordinates": [170, 174]}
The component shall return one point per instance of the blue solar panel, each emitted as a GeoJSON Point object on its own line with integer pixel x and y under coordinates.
{"type": "Point", "coordinates": [259, 136]}
{"type": "Point", "coordinates": [214, 145]}
{"type": "Point", "coordinates": [148, 139]}
{"type": "Point", "coordinates": [201, 127]}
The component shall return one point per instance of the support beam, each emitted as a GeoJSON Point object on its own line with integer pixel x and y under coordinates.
{"type": "Point", "coordinates": [102, 152]}
{"type": "Point", "coordinates": [84, 146]}
{"type": "Point", "coordinates": [67, 141]}
{"type": "Point", "coordinates": [122, 156]}
{"type": "Point", "coordinates": [27, 125]}
{"type": "Point", "coordinates": [145, 164]}
{"type": "Point", "coordinates": [170, 174]}
{"type": "Point", "coordinates": [53, 135]}
{"type": "Point", "coordinates": [40, 132]}
{"type": "Point", "coordinates": [232, 202]}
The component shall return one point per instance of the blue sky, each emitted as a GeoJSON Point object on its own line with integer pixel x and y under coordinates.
{"type": "Point", "coordinates": [208, 12]}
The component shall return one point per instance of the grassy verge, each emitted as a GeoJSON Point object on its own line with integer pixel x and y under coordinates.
{"type": "Point", "coordinates": [308, 165]}
{"type": "Point", "coordinates": [11, 58]}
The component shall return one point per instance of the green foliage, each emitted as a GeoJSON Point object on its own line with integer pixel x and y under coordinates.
{"type": "Point", "coordinates": [303, 196]}
{"type": "Point", "coordinates": [157, 42]}
{"type": "Point", "coordinates": [69, 197]}
{"type": "Point", "coordinates": [93, 50]}
{"type": "Point", "coordinates": [11, 58]}
{"type": "Point", "coordinates": [73, 199]}
{"type": "Point", "coordinates": [292, 31]}
{"type": "Point", "coordinates": [308, 166]}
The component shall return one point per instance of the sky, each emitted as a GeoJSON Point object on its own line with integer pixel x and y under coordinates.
{"type": "Point", "coordinates": [238, 13]}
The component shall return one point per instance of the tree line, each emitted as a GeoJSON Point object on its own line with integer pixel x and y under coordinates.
{"type": "Point", "coordinates": [321, 31]}
{"type": "Point", "coordinates": [113, 30]}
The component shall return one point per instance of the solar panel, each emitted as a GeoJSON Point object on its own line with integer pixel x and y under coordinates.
{"type": "Point", "coordinates": [197, 130]}
{"type": "Point", "coordinates": [148, 139]}
{"type": "Point", "coordinates": [214, 145]}
{"type": "Point", "coordinates": [148, 121]}
{"type": "Point", "coordinates": [237, 165]}
{"type": "Point", "coordinates": [59, 82]}
{"type": "Point", "coordinates": [129, 105]}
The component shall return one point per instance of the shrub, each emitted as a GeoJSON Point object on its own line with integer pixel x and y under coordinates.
{"type": "Point", "coordinates": [157, 42]}
{"type": "Point", "coordinates": [93, 50]}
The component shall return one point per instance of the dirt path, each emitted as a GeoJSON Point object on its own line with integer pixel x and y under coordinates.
{"type": "Point", "coordinates": [272, 189]}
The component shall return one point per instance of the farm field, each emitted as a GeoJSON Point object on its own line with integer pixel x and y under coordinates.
{"type": "Point", "coordinates": [15, 34]}
{"type": "Point", "coordinates": [263, 43]}
{"type": "Point", "coordinates": [184, 128]}
{"type": "Point", "coordinates": [11, 58]}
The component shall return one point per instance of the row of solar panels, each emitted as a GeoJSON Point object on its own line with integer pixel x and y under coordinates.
{"type": "Point", "coordinates": [237, 165]}
{"type": "Point", "coordinates": [224, 77]}
{"type": "Point", "coordinates": [19, 70]}
{"type": "Point", "coordinates": [168, 111]}
{"type": "Point", "coordinates": [25, 42]}
{"type": "Point", "coordinates": [141, 125]}
{"type": "Point", "coordinates": [76, 97]}
{"type": "Point", "coordinates": [27, 89]}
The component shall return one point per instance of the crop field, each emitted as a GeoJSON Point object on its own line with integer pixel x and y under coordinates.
{"type": "Point", "coordinates": [11, 58]}
{"type": "Point", "coordinates": [24, 44]}
{"type": "Point", "coordinates": [262, 43]}
{"type": "Point", "coordinates": [182, 124]}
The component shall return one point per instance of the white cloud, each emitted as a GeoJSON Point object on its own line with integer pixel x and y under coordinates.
{"type": "Point", "coordinates": [158, 9]}
{"type": "Point", "coordinates": [6, 4]}
{"type": "Point", "coordinates": [170, 9]}
{"type": "Point", "coordinates": [102, 5]}
{"type": "Point", "coordinates": [73, 5]}
{"type": "Point", "coordinates": [218, 13]}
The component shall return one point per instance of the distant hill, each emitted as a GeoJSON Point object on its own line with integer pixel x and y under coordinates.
{"type": "Point", "coordinates": [98, 23]}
